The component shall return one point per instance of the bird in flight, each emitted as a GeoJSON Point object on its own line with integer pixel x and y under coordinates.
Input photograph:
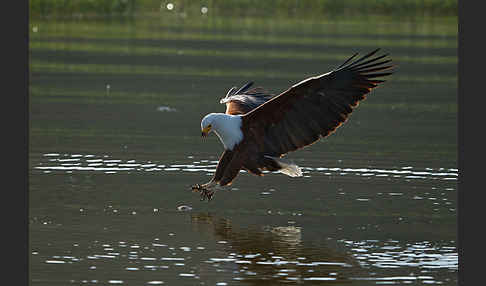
{"type": "Point", "coordinates": [258, 128]}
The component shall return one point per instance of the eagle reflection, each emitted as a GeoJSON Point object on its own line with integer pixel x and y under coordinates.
{"type": "Point", "coordinates": [261, 254]}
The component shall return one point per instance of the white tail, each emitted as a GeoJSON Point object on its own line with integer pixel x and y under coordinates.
{"type": "Point", "coordinates": [288, 168]}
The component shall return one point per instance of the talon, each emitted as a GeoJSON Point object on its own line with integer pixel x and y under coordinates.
{"type": "Point", "coordinates": [196, 188]}
{"type": "Point", "coordinates": [206, 194]}
{"type": "Point", "coordinates": [209, 195]}
{"type": "Point", "coordinates": [205, 191]}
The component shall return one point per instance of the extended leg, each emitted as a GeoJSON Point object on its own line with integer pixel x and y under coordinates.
{"type": "Point", "coordinates": [221, 177]}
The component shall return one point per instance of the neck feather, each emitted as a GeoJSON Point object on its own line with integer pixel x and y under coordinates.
{"type": "Point", "coordinates": [228, 129]}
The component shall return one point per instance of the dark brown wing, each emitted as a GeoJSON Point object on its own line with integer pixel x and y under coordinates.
{"type": "Point", "coordinates": [244, 100]}
{"type": "Point", "coordinates": [315, 107]}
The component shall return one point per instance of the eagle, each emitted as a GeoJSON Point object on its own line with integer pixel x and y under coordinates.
{"type": "Point", "coordinates": [258, 129]}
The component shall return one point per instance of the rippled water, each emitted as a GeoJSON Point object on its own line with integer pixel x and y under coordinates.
{"type": "Point", "coordinates": [220, 252]}
{"type": "Point", "coordinates": [114, 146]}
{"type": "Point", "coordinates": [162, 242]}
{"type": "Point", "coordinates": [77, 163]}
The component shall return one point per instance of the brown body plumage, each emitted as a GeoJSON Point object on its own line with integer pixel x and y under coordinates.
{"type": "Point", "coordinates": [309, 110]}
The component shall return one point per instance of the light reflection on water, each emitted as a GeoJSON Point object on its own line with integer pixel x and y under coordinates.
{"type": "Point", "coordinates": [232, 253]}
{"type": "Point", "coordinates": [393, 254]}
{"type": "Point", "coordinates": [249, 254]}
{"type": "Point", "coordinates": [108, 165]}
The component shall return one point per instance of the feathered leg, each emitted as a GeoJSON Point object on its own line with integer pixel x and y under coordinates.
{"type": "Point", "coordinates": [207, 190]}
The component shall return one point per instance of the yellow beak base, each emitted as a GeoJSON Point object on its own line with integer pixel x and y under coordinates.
{"type": "Point", "coordinates": [205, 131]}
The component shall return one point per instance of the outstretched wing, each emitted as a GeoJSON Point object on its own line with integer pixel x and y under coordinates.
{"type": "Point", "coordinates": [244, 100]}
{"type": "Point", "coordinates": [315, 107]}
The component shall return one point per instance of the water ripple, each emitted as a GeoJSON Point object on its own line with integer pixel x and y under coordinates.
{"type": "Point", "coordinates": [393, 254]}
{"type": "Point", "coordinates": [108, 165]}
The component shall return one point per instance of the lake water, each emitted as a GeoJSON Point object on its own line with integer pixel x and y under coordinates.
{"type": "Point", "coordinates": [115, 109]}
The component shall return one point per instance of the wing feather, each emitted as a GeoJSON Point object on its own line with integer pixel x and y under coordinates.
{"type": "Point", "coordinates": [244, 99]}
{"type": "Point", "coordinates": [315, 107]}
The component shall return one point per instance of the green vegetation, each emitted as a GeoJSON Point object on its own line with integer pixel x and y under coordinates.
{"type": "Point", "coordinates": [80, 7]}
{"type": "Point", "coordinates": [247, 8]}
{"type": "Point", "coordinates": [96, 32]}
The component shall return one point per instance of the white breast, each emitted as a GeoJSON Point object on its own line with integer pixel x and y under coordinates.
{"type": "Point", "coordinates": [228, 129]}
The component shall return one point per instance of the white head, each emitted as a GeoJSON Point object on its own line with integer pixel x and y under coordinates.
{"type": "Point", "coordinates": [227, 127]}
{"type": "Point", "coordinates": [207, 124]}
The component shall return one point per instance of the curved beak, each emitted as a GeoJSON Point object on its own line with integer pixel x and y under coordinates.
{"type": "Point", "coordinates": [205, 131]}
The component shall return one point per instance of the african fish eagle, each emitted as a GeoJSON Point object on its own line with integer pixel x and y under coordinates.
{"type": "Point", "coordinates": [258, 129]}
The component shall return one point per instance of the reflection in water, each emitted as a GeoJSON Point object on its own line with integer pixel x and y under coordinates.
{"type": "Point", "coordinates": [278, 254]}
{"type": "Point", "coordinates": [275, 254]}
{"type": "Point", "coordinates": [216, 247]}
{"type": "Point", "coordinates": [163, 247]}
{"type": "Point", "coordinates": [108, 165]}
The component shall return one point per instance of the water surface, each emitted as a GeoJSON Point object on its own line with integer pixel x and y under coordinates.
{"type": "Point", "coordinates": [115, 109]}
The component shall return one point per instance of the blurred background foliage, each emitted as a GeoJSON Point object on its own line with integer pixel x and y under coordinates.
{"type": "Point", "coordinates": [245, 8]}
